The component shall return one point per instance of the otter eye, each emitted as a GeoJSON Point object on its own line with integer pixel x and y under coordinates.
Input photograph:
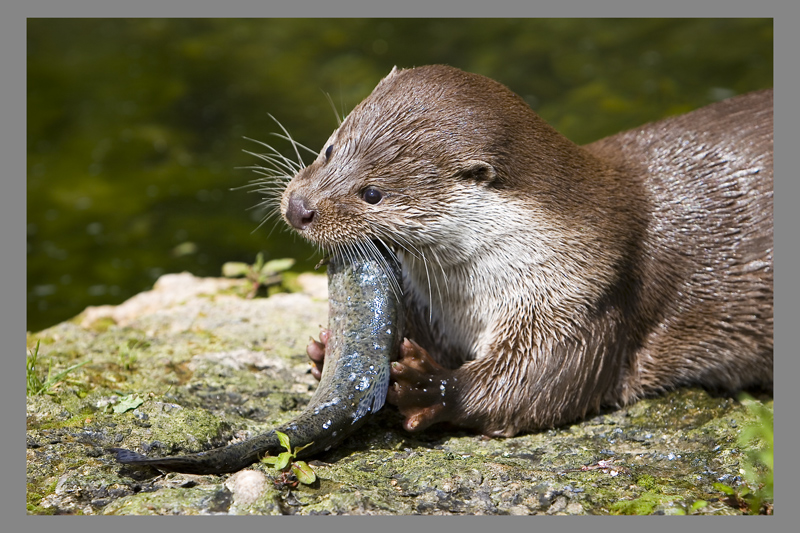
{"type": "Point", "coordinates": [328, 152]}
{"type": "Point", "coordinates": [372, 196]}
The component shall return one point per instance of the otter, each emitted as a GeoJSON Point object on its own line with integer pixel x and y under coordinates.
{"type": "Point", "coordinates": [544, 280]}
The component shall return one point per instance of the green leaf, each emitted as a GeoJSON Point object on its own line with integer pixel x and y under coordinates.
{"type": "Point", "coordinates": [259, 262]}
{"type": "Point", "coordinates": [699, 504]}
{"type": "Point", "coordinates": [304, 472]}
{"type": "Point", "coordinates": [277, 265]}
{"type": "Point", "coordinates": [297, 450]}
{"type": "Point", "coordinates": [234, 270]}
{"type": "Point", "coordinates": [284, 440]}
{"type": "Point", "coordinates": [283, 460]}
{"type": "Point", "coordinates": [268, 459]}
{"type": "Point", "coordinates": [127, 403]}
{"type": "Point", "coordinates": [724, 488]}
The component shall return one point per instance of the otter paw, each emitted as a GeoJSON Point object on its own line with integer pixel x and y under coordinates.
{"type": "Point", "coordinates": [316, 352]}
{"type": "Point", "coordinates": [422, 389]}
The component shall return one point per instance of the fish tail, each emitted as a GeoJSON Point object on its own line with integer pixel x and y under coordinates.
{"type": "Point", "coordinates": [230, 458]}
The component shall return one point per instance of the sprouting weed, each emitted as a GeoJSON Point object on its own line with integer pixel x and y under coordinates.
{"type": "Point", "coordinates": [260, 274]}
{"type": "Point", "coordinates": [304, 473]}
{"type": "Point", "coordinates": [35, 385]}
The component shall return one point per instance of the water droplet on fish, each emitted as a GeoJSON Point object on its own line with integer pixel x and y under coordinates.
{"type": "Point", "coordinates": [363, 384]}
{"type": "Point", "coordinates": [326, 425]}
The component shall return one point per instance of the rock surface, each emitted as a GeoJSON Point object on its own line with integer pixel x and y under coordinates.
{"type": "Point", "coordinates": [192, 365]}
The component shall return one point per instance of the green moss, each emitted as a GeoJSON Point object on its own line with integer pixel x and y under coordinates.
{"type": "Point", "coordinates": [35, 495]}
{"type": "Point", "coordinates": [76, 421]}
{"type": "Point", "coordinates": [239, 289]}
{"type": "Point", "coordinates": [102, 324]}
{"type": "Point", "coordinates": [33, 338]}
{"type": "Point", "coordinates": [643, 505]}
{"type": "Point", "coordinates": [184, 501]}
{"type": "Point", "coordinates": [647, 482]}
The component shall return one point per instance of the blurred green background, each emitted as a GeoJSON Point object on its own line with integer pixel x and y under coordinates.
{"type": "Point", "coordinates": [136, 127]}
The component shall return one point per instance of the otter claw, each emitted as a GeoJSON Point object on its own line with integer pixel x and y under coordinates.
{"type": "Point", "coordinates": [420, 389]}
{"type": "Point", "coordinates": [316, 352]}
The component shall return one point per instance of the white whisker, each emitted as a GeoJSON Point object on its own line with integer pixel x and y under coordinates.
{"type": "Point", "coordinates": [289, 138]}
{"type": "Point", "coordinates": [335, 112]}
{"type": "Point", "coordinates": [395, 283]}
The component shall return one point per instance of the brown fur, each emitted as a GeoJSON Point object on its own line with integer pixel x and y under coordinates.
{"type": "Point", "coordinates": [549, 279]}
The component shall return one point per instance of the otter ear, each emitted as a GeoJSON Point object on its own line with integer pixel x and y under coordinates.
{"type": "Point", "coordinates": [478, 171]}
{"type": "Point", "coordinates": [389, 76]}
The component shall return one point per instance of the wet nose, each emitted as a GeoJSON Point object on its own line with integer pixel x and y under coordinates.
{"type": "Point", "coordinates": [297, 213]}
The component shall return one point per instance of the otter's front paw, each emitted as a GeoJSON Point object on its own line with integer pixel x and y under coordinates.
{"type": "Point", "coordinates": [423, 390]}
{"type": "Point", "coordinates": [316, 352]}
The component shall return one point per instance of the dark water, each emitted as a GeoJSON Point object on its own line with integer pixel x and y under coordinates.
{"type": "Point", "coordinates": [136, 127]}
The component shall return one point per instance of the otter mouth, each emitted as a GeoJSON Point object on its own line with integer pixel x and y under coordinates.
{"type": "Point", "coordinates": [387, 255]}
{"type": "Point", "coordinates": [371, 247]}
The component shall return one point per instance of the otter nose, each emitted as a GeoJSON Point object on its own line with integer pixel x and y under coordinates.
{"type": "Point", "coordinates": [297, 212]}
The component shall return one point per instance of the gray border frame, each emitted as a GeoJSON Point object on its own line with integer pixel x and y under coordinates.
{"type": "Point", "coordinates": [13, 29]}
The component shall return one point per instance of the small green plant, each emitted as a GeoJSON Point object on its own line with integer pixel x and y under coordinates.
{"type": "Point", "coordinates": [34, 383]}
{"type": "Point", "coordinates": [759, 462]}
{"type": "Point", "coordinates": [697, 505]}
{"type": "Point", "coordinates": [127, 403]}
{"type": "Point", "coordinates": [129, 353]}
{"type": "Point", "coordinates": [260, 274]}
{"type": "Point", "coordinates": [305, 474]}
{"type": "Point", "coordinates": [756, 441]}
{"type": "Point", "coordinates": [741, 497]}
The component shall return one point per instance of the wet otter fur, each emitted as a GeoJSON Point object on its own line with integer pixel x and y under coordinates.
{"type": "Point", "coordinates": [544, 279]}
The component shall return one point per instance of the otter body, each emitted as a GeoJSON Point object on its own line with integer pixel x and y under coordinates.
{"type": "Point", "coordinates": [543, 279]}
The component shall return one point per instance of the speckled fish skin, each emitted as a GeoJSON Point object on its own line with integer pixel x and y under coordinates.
{"type": "Point", "coordinates": [366, 323]}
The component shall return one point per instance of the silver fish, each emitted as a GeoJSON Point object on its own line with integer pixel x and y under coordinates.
{"type": "Point", "coordinates": [366, 319]}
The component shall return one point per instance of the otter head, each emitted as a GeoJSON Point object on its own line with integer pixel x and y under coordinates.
{"type": "Point", "coordinates": [426, 163]}
{"type": "Point", "coordinates": [389, 171]}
